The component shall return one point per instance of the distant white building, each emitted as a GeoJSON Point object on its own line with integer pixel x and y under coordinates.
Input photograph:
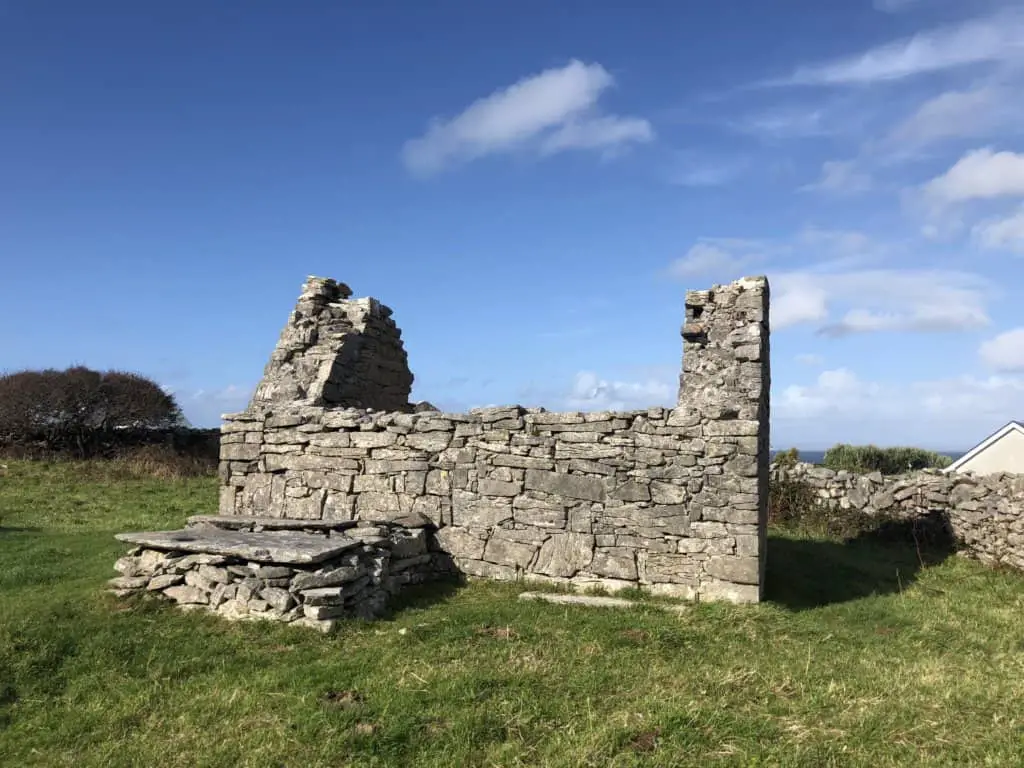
{"type": "Point", "coordinates": [1002, 451]}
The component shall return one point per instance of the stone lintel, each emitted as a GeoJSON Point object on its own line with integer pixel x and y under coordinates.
{"type": "Point", "coordinates": [237, 522]}
{"type": "Point", "coordinates": [284, 547]}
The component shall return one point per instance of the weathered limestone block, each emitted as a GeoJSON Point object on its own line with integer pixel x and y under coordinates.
{"type": "Point", "coordinates": [667, 567]}
{"type": "Point", "coordinates": [460, 543]}
{"type": "Point", "coordinates": [632, 491]}
{"type": "Point", "coordinates": [471, 510]}
{"type": "Point", "coordinates": [615, 562]}
{"type": "Point", "coordinates": [486, 570]}
{"type": "Point", "coordinates": [542, 512]}
{"type": "Point", "coordinates": [492, 487]}
{"type": "Point", "coordinates": [506, 551]}
{"type": "Point", "coordinates": [738, 570]}
{"type": "Point", "coordinates": [565, 554]}
{"type": "Point", "coordinates": [186, 595]}
{"type": "Point", "coordinates": [571, 486]}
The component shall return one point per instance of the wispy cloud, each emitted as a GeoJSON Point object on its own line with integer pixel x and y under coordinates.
{"type": "Point", "coordinates": [840, 177]}
{"type": "Point", "coordinates": [791, 122]}
{"type": "Point", "coordinates": [692, 170]}
{"type": "Point", "coordinates": [808, 358]}
{"type": "Point", "coordinates": [1006, 233]}
{"type": "Point", "coordinates": [974, 112]}
{"type": "Point", "coordinates": [707, 259]}
{"type": "Point", "coordinates": [995, 38]}
{"type": "Point", "coordinates": [553, 111]}
{"type": "Point", "coordinates": [590, 392]}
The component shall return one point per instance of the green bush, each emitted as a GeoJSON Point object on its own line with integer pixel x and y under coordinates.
{"type": "Point", "coordinates": [888, 461]}
{"type": "Point", "coordinates": [787, 458]}
{"type": "Point", "coordinates": [72, 409]}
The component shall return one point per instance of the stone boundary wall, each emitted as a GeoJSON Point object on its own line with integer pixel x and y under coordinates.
{"type": "Point", "coordinates": [985, 513]}
{"type": "Point", "coordinates": [670, 499]}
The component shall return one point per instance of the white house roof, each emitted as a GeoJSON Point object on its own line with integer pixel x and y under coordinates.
{"type": "Point", "coordinates": [1013, 426]}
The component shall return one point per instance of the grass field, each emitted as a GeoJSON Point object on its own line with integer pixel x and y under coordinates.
{"type": "Point", "coordinates": [859, 658]}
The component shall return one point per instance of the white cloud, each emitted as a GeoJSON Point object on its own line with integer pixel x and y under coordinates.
{"type": "Point", "coordinates": [880, 300]}
{"type": "Point", "coordinates": [833, 390]}
{"type": "Point", "coordinates": [706, 259]}
{"type": "Point", "coordinates": [995, 38]}
{"type": "Point", "coordinates": [1001, 233]}
{"type": "Point", "coordinates": [980, 111]}
{"type": "Point", "coordinates": [556, 109]}
{"type": "Point", "coordinates": [841, 177]}
{"type": "Point", "coordinates": [945, 414]}
{"type": "Point", "coordinates": [979, 174]}
{"type": "Point", "coordinates": [592, 393]}
{"type": "Point", "coordinates": [1005, 352]}
{"type": "Point", "coordinates": [796, 299]}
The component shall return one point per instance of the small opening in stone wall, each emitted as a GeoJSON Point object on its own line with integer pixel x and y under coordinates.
{"type": "Point", "coordinates": [697, 312]}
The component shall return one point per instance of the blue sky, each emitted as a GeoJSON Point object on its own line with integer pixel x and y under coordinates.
{"type": "Point", "coordinates": [532, 187]}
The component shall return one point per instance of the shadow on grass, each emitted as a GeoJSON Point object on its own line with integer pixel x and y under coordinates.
{"type": "Point", "coordinates": [810, 573]}
{"type": "Point", "coordinates": [425, 595]}
{"type": "Point", "coordinates": [5, 529]}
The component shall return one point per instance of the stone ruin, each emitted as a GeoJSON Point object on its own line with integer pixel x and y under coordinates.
{"type": "Point", "coordinates": [337, 351]}
{"type": "Point", "coordinates": [336, 491]}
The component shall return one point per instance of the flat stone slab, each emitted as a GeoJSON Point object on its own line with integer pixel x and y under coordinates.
{"type": "Point", "coordinates": [284, 547]}
{"type": "Point", "coordinates": [595, 601]}
{"type": "Point", "coordinates": [234, 522]}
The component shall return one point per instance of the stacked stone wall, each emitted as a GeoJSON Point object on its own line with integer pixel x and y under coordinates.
{"type": "Point", "coordinates": [670, 499]}
{"type": "Point", "coordinates": [985, 513]}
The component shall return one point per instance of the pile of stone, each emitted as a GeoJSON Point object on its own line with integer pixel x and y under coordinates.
{"type": "Point", "coordinates": [305, 572]}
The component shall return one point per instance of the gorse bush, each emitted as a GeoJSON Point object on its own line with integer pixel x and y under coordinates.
{"type": "Point", "coordinates": [788, 458]}
{"type": "Point", "coordinates": [888, 461]}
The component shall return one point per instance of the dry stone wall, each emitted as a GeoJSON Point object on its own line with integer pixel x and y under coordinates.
{"type": "Point", "coordinates": [670, 499]}
{"type": "Point", "coordinates": [985, 513]}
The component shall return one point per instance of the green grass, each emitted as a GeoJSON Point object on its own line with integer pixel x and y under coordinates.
{"type": "Point", "coordinates": [861, 657]}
